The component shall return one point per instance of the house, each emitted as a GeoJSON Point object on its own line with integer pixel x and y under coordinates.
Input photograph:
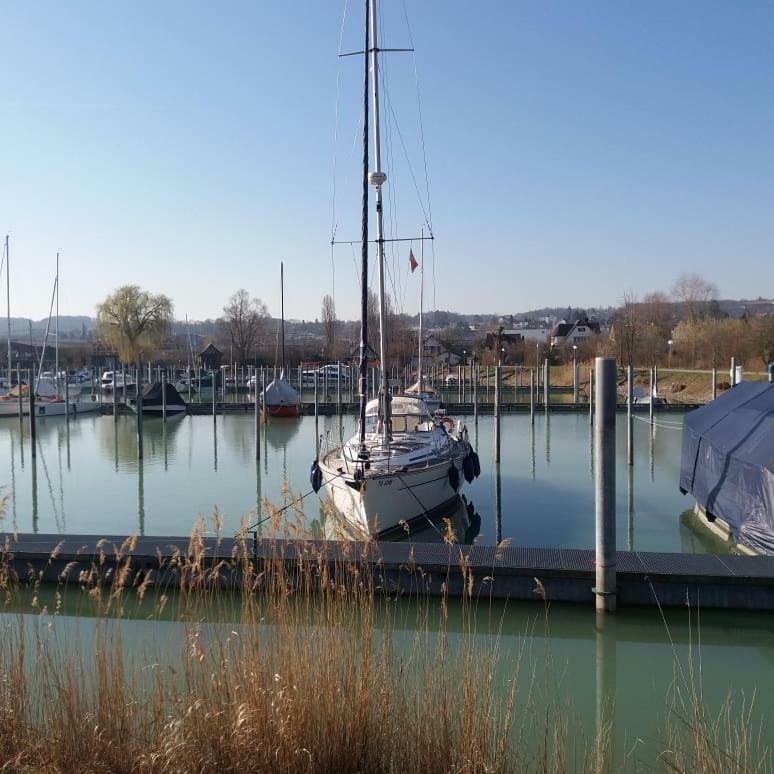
{"type": "Point", "coordinates": [435, 350]}
{"type": "Point", "coordinates": [210, 358]}
{"type": "Point", "coordinates": [568, 334]}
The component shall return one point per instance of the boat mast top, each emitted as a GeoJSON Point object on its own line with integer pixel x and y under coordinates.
{"type": "Point", "coordinates": [56, 348]}
{"type": "Point", "coordinates": [8, 303]}
{"type": "Point", "coordinates": [377, 178]}
{"type": "Point", "coordinates": [282, 314]}
{"type": "Point", "coordinates": [421, 303]}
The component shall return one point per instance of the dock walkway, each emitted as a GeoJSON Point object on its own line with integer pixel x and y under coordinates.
{"type": "Point", "coordinates": [551, 574]}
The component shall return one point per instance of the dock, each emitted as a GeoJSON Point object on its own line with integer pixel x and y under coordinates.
{"type": "Point", "coordinates": [543, 575]}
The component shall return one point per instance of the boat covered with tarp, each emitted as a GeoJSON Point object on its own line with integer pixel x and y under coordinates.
{"type": "Point", "coordinates": [728, 462]}
{"type": "Point", "coordinates": [280, 399]}
{"type": "Point", "coordinates": [153, 400]}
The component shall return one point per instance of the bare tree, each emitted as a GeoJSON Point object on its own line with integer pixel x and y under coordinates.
{"type": "Point", "coordinates": [328, 316]}
{"type": "Point", "coordinates": [695, 293]}
{"type": "Point", "coordinates": [244, 318]}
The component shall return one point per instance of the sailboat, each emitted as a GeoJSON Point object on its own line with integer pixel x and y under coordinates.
{"type": "Point", "coordinates": [403, 465]}
{"type": "Point", "coordinates": [279, 398]}
{"type": "Point", "coordinates": [48, 401]}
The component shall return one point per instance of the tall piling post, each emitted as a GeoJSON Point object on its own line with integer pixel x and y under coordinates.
{"type": "Point", "coordinates": [715, 382]}
{"type": "Point", "coordinates": [652, 396]}
{"type": "Point", "coordinates": [67, 400]}
{"type": "Point", "coordinates": [164, 395]}
{"type": "Point", "coordinates": [474, 387]}
{"type": "Point", "coordinates": [531, 396]}
{"type": "Point", "coordinates": [629, 419]}
{"type": "Point", "coordinates": [497, 397]}
{"type": "Point", "coordinates": [316, 419]}
{"type": "Point", "coordinates": [591, 395]}
{"type": "Point", "coordinates": [21, 398]}
{"type": "Point", "coordinates": [604, 484]}
{"type": "Point", "coordinates": [33, 429]}
{"type": "Point", "coordinates": [115, 399]}
{"type": "Point", "coordinates": [733, 372]}
{"type": "Point", "coordinates": [338, 387]}
{"type": "Point", "coordinates": [214, 396]}
{"type": "Point", "coordinates": [257, 420]}
{"type": "Point", "coordinates": [546, 384]}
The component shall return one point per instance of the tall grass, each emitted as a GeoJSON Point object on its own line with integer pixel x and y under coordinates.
{"type": "Point", "coordinates": [308, 680]}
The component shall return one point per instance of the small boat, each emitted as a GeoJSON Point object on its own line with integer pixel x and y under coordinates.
{"type": "Point", "coordinates": [115, 380]}
{"type": "Point", "coordinates": [279, 398]}
{"type": "Point", "coordinates": [153, 400]}
{"type": "Point", "coordinates": [426, 393]}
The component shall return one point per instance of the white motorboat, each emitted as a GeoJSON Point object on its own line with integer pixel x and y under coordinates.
{"type": "Point", "coordinates": [403, 465]}
{"type": "Point", "coordinates": [115, 380]}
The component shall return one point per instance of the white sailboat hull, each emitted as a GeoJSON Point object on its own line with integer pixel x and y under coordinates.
{"type": "Point", "coordinates": [10, 408]}
{"type": "Point", "coordinates": [382, 503]}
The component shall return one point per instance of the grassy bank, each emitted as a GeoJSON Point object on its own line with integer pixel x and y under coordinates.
{"type": "Point", "coordinates": [297, 669]}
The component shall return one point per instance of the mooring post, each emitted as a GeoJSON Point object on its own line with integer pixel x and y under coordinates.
{"type": "Point", "coordinates": [715, 382]}
{"type": "Point", "coordinates": [115, 399]}
{"type": "Point", "coordinates": [591, 395]}
{"type": "Point", "coordinates": [531, 396]}
{"type": "Point", "coordinates": [733, 372]}
{"type": "Point", "coordinates": [67, 399]}
{"type": "Point", "coordinates": [214, 395]}
{"type": "Point", "coordinates": [652, 396]}
{"type": "Point", "coordinates": [546, 384]}
{"type": "Point", "coordinates": [338, 387]}
{"type": "Point", "coordinates": [771, 372]}
{"type": "Point", "coordinates": [574, 379]}
{"type": "Point", "coordinates": [164, 395]}
{"type": "Point", "coordinates": [604, 484]}
{"type": "Point", "coordinates": [21, 399]}
{"type": "Point", "coordinates": [316, 419]}
{"type": "Point", "coordinates": [257, 419]}
{"type": "Point", "coordinates": [475, 393]}
{"type": "Point", "coordinates": [33, 431]}
{"type": "Point", "coordinates": [497, 389]}
{"type": "Point", "coordinates": [459, 383]}
{"type": "Point", "coordinates": [629, 420]}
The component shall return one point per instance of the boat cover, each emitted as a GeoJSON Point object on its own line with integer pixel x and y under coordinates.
{"type": "Point", "coordinates": [151, 395]}
{"type": "Point", "coordinates": [279, 393]}
{"type": "Point", "coordinates": [728, 461]}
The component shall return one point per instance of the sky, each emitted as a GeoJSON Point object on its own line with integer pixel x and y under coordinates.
{"type": "Point", "coordinates": [572, 151]}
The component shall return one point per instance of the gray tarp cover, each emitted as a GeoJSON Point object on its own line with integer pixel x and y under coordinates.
{"type": "Point", "coordinates": [279, 393]}
{"type": "Point", "coordinates": [728, 461]}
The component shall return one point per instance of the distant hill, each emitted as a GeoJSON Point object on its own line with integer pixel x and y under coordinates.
{"type": "Point", "coordinates": [71, 328]}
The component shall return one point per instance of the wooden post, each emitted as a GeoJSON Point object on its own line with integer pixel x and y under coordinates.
{"type": "Point", "coordinates": [604, 481]}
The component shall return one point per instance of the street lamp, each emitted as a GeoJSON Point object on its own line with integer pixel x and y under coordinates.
{"type": "Point", "coordinates": [670, 352]}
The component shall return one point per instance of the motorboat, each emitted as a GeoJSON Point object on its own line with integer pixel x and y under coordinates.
{"type": "Point", "coordinates": [116, 380]}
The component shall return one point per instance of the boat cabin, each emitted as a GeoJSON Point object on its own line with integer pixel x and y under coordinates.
{"type": "Point", "coordinates": [409, 415]}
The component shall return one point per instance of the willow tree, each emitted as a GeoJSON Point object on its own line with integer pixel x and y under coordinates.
{"type": "Point", "coordinates": [134, 322]}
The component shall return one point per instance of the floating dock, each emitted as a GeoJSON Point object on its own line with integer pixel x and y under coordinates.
{"type": "Point", "coordinates": [539, 574]}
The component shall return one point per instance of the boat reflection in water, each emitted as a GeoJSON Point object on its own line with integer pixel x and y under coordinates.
{"type": "Point", "coordinates": [461, 523]}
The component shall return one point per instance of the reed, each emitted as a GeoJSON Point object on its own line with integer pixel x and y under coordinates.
{"type": "Point", "coordinates": [290, 666]}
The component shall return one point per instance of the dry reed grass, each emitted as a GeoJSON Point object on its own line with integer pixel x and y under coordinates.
{"type": "Point", "coordinates": [309, 680]}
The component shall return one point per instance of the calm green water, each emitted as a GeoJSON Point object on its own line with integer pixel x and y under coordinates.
{"type": "Point", "coordinates": [87, 479]}
{"type": "Point", "coordinates": [566, 664]}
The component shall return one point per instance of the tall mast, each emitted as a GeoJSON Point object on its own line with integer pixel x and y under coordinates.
{"type": "Point", "coordinates": [8, 303]}
{"type": "Point", "coordinates": [377, 178]}
{"type": "Point", "coordinates": [363, 375]}
{"type": "Point", "coordinates": [421, 302]}
{"type": "Point", "coordinates": [56, 349]}
{"type": "Point", "coordinates": [282, 312]}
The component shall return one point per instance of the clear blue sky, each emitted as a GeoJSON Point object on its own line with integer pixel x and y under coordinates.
{"type": "Point", "coordinates": [574, 150]}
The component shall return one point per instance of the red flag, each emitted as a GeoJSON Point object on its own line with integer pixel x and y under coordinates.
{"type": "Point", "coordinates": [412, 261]}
